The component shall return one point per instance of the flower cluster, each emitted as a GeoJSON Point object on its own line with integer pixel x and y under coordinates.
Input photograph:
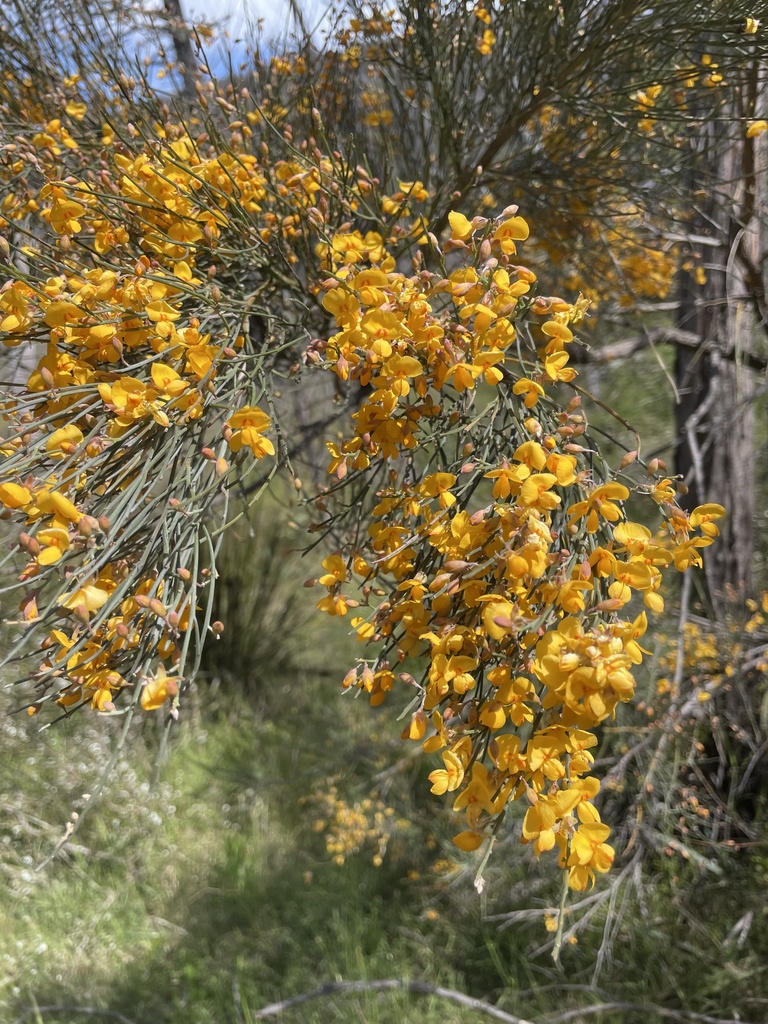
{"type": "Point", "coordinates": [498, 553]}
{"type": "Point", "coordinates": [132, 304]}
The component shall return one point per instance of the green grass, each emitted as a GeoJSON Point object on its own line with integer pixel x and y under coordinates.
{"type": "Point", "coordinates": [168, 903]}
{"type": "Point", "coordinates": [167, 900]}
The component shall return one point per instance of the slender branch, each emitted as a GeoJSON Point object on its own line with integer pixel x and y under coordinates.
{"type": "Point", "coordinates": [478, 1005]}
{"type": "Point", "coordinates": [659, 336]}
{"type": "Point", "coordinates": [651, 1011]}
{"type": "Point", "coordinates": [388, 985]}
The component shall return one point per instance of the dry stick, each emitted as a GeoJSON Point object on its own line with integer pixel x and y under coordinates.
{"type": "Point", "coordinates": [658, 1011]}
{"type": "Point", "coordinates": [422, 988]}
{"type": "Point", "coordinates": [627, 347]}
{"type": "Point", "coordinates": [388, 985]}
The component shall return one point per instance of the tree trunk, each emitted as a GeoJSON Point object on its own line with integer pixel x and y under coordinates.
{"type": "Point", "coordinates": [182, 45]}
{"type": "Point", "coordinates": [715, 452]}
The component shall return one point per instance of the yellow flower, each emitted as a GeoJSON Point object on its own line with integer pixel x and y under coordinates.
{"type": "Point", "coordinates": [589, 853]}
{"type": "Point", "coordinates": [14, 495]}
{"type": "Point", "coordinates": [702, 516]}
{"type": "Point", "coordinates": [445, 780]}
{"type": "Point", "coordinates": [468, 841]}
{"type": "Point", "coordinates": [477, 796]}
{"type": "Point", "coordinates": [532, 391]}
{"type": "Point", "coordinates": [158, 689]}
{"type": "Point", "coordinates": [335, 571]}
{"type": "Point", "coordinates": [461, 227]}
{"type": "Point", "coordinates": [599, 505]}
{"type": "Point", "coordinates": [510, 231]}
{"type": "Point", "coordinates": [485, 45]}
{"type": "Point", "coordinates": [439, 485]}
{"type": "Point", "coordinates": [248, 426]}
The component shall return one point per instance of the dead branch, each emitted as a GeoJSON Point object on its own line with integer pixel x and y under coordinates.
{"type": "Point", "coordinates": [389, 985]}
{"type": "Point", "coordinates": [479, 1005]}
{"type": "Point", "coordinates": [658, 336]}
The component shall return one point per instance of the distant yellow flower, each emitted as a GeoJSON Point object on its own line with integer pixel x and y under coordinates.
{"type": "Point", "coordinates": [486, 44]}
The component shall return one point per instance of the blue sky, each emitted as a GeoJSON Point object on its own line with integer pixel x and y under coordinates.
{"type": "Point", "coordinates": [240, 14]}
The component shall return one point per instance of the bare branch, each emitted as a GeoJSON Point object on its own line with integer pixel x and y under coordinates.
{"type": "Point", "coordinates": [478, 1005]}
{"type": "Point", "coordinates": [659, 336]}
{"type": "Point", "coordinates": [389, 985]}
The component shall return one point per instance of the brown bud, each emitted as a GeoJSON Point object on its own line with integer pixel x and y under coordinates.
{"type": "Point", "coordinates": [217, 627]}
{"type": "Point", "coordinates": [611, 604]}
{"type": "Point", "coordinates": [478, 517]}
{"type": "Point", "coordinates": [458, 565]}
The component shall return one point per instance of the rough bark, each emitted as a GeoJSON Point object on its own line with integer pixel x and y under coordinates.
{"type": "Point", "coordinates": [715, 452]}
{"type": "Point", "coordinates": [182, 45]}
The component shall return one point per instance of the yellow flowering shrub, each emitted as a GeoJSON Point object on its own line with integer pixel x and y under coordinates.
{"type": "Point", "coordinates": [164, 280]}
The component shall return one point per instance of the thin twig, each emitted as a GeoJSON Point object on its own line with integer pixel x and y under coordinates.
{"type": "Point", "coordinates": [479, 1005]}
{"type": "Point", "coordinates": [388, 985]}
{"type": "Point", "coordinates": [644, 1008]}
